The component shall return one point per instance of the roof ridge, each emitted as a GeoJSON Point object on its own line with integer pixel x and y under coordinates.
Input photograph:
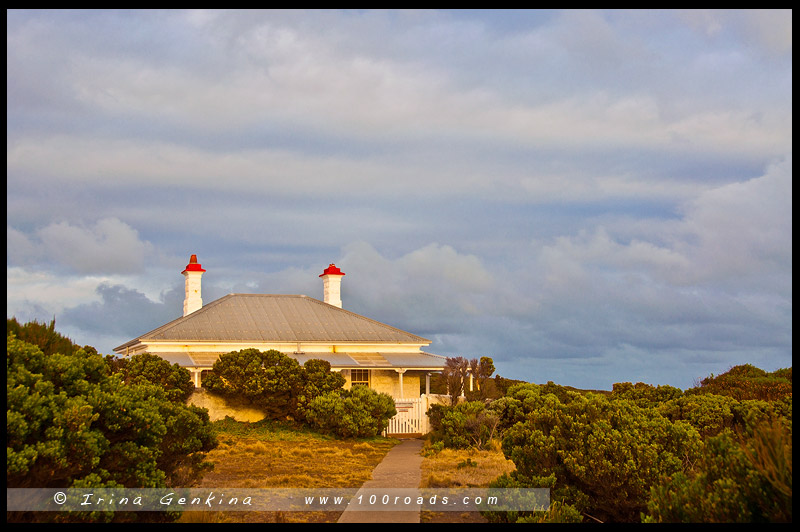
{"type": "Point", "coordinates": [270, 295]}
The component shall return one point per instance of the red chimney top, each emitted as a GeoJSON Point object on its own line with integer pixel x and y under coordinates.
{"type": "Point", "coordinates": [332, 270]}
{"type": "Point", "coordinates": [193, 266]}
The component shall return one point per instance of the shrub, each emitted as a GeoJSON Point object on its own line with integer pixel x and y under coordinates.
{"type": "Point", "coordinates": [502, 384]}
{"type": "Point", "coordinates": [733, 481]}
{"type": "Point", "coordinates": [645, 395]}
{"type": "Point", "coordinates": [748, 382]}
{"type": "Point", "coordinates": [710, 414]}
{"type": "Point", "coordinates": [463, 426]}
{"type": "Point", "coordinates": [70, 422]}
{"type": "Point", "coordinates": [272, 381]}
{"type": "Point", "coordinates": [318, 379]}
{"type": "Point", "coordinates": [508, 411]}
{"type": "Point", "coordinates": [604, 454]}
{"type": "Point", "coordinates": [356, 413]}
{"type": "Point", "coordinates": [44, 336]}
{"type": "Point", "coordinates": [152, 369]}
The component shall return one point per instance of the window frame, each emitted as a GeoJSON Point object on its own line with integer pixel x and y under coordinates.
{"type": "Point", "coordinates": [360, 381]}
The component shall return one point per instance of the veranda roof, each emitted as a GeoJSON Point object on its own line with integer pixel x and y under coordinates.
{"type": "Point", "coordinates": [418, 361]}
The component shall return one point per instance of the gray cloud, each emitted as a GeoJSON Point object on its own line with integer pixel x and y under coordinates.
{"type": "Point", "coordinates": [588, 196]}
{"type": "Point", "coordinates": [111, 246]}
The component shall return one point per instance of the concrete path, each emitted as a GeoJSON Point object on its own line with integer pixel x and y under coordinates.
{"type": "Point", "coordinates": [400, 468]}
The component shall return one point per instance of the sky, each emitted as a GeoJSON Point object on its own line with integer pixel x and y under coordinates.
{"type": "Point", "coordinates": [587, 197]}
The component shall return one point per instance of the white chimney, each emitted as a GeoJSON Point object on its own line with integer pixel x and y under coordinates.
{"type": "Point", "coordinates": [193, 273]}
{"type": "Point", "coordinates": [332, 285]}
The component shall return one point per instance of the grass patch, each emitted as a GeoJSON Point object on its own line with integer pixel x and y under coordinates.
{"type": "Point", "coordinates": [265, 430]}
{"type": "Point", "coordinates": [270, 454]}
{"type": "Point", "coordinates": [452, 468]}
{"type": "Point", "coordinates": [459, 468]}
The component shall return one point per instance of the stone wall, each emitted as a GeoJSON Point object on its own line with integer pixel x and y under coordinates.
{"type": "Point", "coordinates": [219, 408]}
{"type": "Point", "coordinates": [388, 381]}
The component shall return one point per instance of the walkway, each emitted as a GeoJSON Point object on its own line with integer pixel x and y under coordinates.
{"type": "Point", "coordinates": [400, 468]}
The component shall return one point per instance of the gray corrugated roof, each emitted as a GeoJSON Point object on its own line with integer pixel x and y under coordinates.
{"type": "Point", "coordinates": [415, 360]}
{"type": "Point", "coordinates": [337, 360]}
{"type": "Point", "coordinates": [275, 318]}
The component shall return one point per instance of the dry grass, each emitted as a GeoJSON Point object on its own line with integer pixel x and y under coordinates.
{"type": "Point", "coordinates": [265, 457]}
{"type": "Point", "coordinates": [452, 468]}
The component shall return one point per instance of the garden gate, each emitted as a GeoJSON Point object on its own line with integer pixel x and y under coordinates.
{"type": "Point", "coordinates": [411, 419]}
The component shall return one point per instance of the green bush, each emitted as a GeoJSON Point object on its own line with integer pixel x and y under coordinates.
{"type": "Point", "coordinates": [603, 453]}
{"type": "Point", "coordinates": [733, 481]}
{"type": "Point", "coordinates": [70, 422]}
{"type": "Point", "coordinates": [272, 381]}
{"type": "Point", "coordinates": [152, 369]}
{"type": "Point", "coordinates": [356, 413]}
{"type": "Point", "coordinates": [318, 379]}
{"type": "Point", "coordinates": [645, 395]}
{"type": "Point", "coordinates": [44, 336]}
{"type": "Point", "coordinates": [559, 512]}
{"type": "Point", "coordinates": [748, 382]}
{"type": "Point", "coordinates": [465, 425]}
{"type": "Point", "coordinates": [710, 414]}
{"type": "Point", "coordinates": [717, 452]}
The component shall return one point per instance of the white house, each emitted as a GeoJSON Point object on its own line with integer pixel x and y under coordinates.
{"type": "Point", "coordinates": [366, 351]}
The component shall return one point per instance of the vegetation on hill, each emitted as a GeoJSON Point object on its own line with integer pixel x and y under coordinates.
{"type": "Point", "coordinates": [718, 452]}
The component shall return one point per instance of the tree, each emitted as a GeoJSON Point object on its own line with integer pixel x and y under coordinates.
{"type": "Point", "coordinates": [73, 423]}
{"type": "Point", "coordinates": [43, 336]}
{"type": "Point", "coordinates": [356, 413]}
{"type": "Point", "coordinates": [456, 370]}
{"type": "Point", "coordinates": [272, 381]}
{"type": "Point", "coordinates": [152, 369]}
{"type": "Point", "coordinates": [485, 371]}
{"type": "Point", "coordinates": [481, 370]}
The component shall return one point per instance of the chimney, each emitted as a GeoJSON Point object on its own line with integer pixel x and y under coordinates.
{"type": "Point", "coordinates": [332, 285]}
{"type": "Point", "coordinates": [193, 300]}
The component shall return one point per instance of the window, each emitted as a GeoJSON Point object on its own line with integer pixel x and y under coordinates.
{"type": "Point", "coordinates": [359, 377]}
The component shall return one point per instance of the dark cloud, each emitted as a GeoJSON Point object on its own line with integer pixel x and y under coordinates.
{"type": "Point", "coordinates": [123, 312]}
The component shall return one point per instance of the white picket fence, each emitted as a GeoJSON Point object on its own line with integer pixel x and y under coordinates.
{"type": "Point", "coordinates": [411, 415]}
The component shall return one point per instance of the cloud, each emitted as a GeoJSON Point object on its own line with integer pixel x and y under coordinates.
{"type": "Point", "coordinates": [123, 312]}
{"type": "Point", "coordinates": [585, 188]}
{"type": "Point", "coordinates": [717, 280]}
{"type": "Point", "coordinates": [768, 31]}
{"type": "Point", "coordinates": [428, 289]}
{"type": "Point", "coordinates": [41, 294]}
{"type": "Point", "coordinates": [109, 247]}
{"type": "Point", "coordinates": [742, 230]}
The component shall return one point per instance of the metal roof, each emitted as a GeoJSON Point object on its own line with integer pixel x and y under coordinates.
{"type": "Point", "coordinates": [376, 360]}
{"type": "Point", "coordinates": [415, 360]}
{"type": "Point", "coordinates": [275, 318]}
{"type": "Point", "coordinates": [419, 360]}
